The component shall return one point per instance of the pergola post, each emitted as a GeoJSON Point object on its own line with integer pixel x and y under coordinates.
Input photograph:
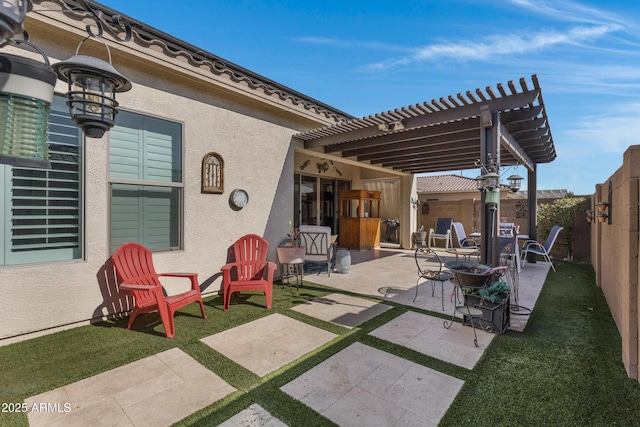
{"type": "Point", "coordinates": [532, 199]}
{"type": "Point", "coordinates": [490, 151]}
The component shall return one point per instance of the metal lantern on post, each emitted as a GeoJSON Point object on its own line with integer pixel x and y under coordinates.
{"type": "Point", "coordinates": [26, 93]}
{"type": "Point", "coordinates": [93, 84]}
{"type": "Point", "coordinates": [12, 14]}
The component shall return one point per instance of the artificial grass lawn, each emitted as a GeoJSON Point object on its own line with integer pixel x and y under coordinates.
{"type": "Point", "coordinates": [565, 369]}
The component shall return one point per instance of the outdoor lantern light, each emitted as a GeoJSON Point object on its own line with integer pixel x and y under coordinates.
{"type": "Point", "coordinates": [514, 182]}
{"type": "Point", "coordinates": [488, 181]}
{"type": "Point", "coordinates": [492, 197]}
{"type": "Point", "coordinates": [93, 84]}
{"type": "Point", "coordinates": [12, 14]}
{"type": "Point", "coordinates": [26, 93]}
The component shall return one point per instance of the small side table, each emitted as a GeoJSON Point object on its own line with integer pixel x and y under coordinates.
{"type": "Point", "coordinates": [295, 269]}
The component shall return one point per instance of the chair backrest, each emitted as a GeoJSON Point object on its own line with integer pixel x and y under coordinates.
{"type": "Point", "coordinates": [443, 225]}
{"type": "Point", "coordinates": [551, 238]}
{"type": "Point", "coordinates": [251, 257]}
{"type": "Point", "coordinates": [134, 265]}
{"type": "Point", "coordinates": [316, 238]}
{"type": "Point", "coordinates": [461, 235]}
{"type": "Point", "coordinates": [507, 229]}
{"type": "Point", "coordinates": [428, 262]}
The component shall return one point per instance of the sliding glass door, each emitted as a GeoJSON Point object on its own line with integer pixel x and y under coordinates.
{"type": "Point", "coordinates": [316, 200]}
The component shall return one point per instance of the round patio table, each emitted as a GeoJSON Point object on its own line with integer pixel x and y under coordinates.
{"type": "Point", "coordinates": [465, 253]}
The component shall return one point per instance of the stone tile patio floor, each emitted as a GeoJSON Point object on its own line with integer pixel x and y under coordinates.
{"type": "Point", "coordinates": [358, 386]}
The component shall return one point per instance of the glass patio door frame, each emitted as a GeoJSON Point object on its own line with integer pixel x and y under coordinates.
{"type": "Point", "coordinates": [314, 197]}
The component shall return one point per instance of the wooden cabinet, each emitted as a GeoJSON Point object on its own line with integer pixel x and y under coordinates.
{"type": "Point", "coordinates": [359, 219]}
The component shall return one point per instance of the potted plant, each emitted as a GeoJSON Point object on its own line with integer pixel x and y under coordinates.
{"type": "Point", "coordinates": [589, 214]}
{"type": "Point", "coordinates": [419, 237]}
{"type": "Point", "coordinates": [485, 291]}
{"type": "Point", "coordinates": [602, 216]}
{"type": "Point", "coordinates": [602, 206]}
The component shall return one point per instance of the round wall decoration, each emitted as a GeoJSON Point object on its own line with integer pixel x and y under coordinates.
{"type": "Point", "coordinates": [239, 198]}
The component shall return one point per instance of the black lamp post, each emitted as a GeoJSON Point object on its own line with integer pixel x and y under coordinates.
{"type": "Point", "coordinates": [93, 84]}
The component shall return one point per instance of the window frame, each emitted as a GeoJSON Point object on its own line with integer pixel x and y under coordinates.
{"type": "Point", "coordinates": [164, 184]}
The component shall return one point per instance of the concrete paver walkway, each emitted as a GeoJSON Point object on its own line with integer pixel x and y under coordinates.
{"type": "Point", "coordinates": [364, 386]}
{"type": "Point", "coordinates": [264, 345]}
{"type": "Point", "coordinates": [343, 310]}
{"type": "Point", "coordinates": [155, 391]}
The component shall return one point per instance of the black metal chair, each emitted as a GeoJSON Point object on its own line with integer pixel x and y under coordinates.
{"type": "Point", "coordinates": [430, 267]}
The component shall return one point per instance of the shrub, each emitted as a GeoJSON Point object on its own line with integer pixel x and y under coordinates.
{"type": "Point", "coordinates": [561, 212]}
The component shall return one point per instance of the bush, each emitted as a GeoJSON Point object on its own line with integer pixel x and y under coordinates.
{"type": "Point", "coordinates": [561, 212]}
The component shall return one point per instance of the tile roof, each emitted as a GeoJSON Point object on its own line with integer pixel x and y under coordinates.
{"type": "Point", "coordinates": [445, 184]}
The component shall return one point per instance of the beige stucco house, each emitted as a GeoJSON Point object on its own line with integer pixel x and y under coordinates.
{"type": "Point", "coordinates": [186, 103]}
{"type": "Point", "coordinates": [143, 179]}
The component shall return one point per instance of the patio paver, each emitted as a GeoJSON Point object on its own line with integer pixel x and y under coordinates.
{"type": "Point", "coordinates": [427, 335]}
{"type": "Point", "coordinates": [155, 391]}
{"type": "Point", "coordinates": [341, 309]}
{"type": "Point", "coordinates": [266, 344]}
{"type": "Point", "coordinates": [364, 386]}
{"type": "Point", "coordinates": [254, 415]}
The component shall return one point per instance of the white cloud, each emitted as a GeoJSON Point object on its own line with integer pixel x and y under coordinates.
{"type": "Point", "coordinates": [499, 45]}
{"type": "Point", "coordinates": [611, 131]}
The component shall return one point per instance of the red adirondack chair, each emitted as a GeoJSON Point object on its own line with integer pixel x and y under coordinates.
{"type": "Point", "coordinates": [134, 265]}
{"type": "Point", "coordinates": [251, 259]}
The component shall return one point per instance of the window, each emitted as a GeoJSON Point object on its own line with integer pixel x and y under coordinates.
{"type": "Point", "coordinates": [146, 184]}
{"type": "Point", "coordinates": [41, 209]}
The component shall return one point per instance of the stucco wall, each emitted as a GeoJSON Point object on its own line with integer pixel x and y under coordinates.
{"type": "Point", "coordinates": [615, 253]}
{"type": "Point", "coordinates": [254, 139]}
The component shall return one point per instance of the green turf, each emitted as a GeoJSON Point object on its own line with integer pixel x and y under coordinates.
{"type": "Point", "coordinates": [565, 369]}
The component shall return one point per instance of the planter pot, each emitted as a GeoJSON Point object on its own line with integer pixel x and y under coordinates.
{"type": "Point", "coordinates": [602, 218]}
{"type": "Point", "coordinates": [419, 238]}
{"type": "Point", "coordinates": [495, 316]}
{"type": "Point", "coordinates": [602, 206]}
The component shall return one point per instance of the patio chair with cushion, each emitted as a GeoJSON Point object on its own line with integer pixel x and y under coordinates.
{"type": "Point", "coordinates": [317, 241]}
{"type": "Point", "coordinates": [430, 267]}
{"type": "Point", "coordinates": [442, 231]}
{"type": "Point", "coordinates": [134, 265]}
{"type": "Point", "coordinates": [252, 271]}
{"type": "Point", "coordinates": [534, 247]}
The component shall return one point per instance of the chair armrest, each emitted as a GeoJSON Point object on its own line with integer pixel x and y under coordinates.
{"type": "Point", "coordinates": [132, 287]}
{"type": "Point", "coordinates": [191, 276]}
{"type": "Point", "coordinates": [534, 245]}
{"type": "Point", "coordinates": [226, 273]}
{"type": "Point", "coordinates": [529, 243]}
{"type": "Point", "coordinates": [178, 274]}
{"type": "Point", "coordinates": [271, 268]}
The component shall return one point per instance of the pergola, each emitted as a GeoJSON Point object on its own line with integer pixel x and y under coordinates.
{"type": "Point", "coordinates": [506, 125]}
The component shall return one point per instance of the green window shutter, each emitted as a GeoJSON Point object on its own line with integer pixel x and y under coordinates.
{"type": "Point", "coordinates": [150, 150]}
{"type": "Point", "coordinates": [43, 207]}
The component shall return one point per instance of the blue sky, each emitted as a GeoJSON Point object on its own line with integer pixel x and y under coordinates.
{"type": "Point", "coordinates": [365, 57]}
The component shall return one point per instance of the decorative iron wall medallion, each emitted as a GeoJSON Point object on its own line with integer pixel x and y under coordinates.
{"type": "Point", "coordinates": [212, 173]}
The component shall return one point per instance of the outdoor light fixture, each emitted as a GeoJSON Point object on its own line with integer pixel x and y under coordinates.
{"type": "Point", "coordinates": [93, 84]}
{"type": "Point", "coordinates": [514, 182]}
{"type": "Point", "coordinates": [488, 181]}
{"type": "Point", "coordinates": [391, 126]}
{"type": "Point", "coordinates": [26, 93]}
{"type": "Point", "coordinates": [12, 14]}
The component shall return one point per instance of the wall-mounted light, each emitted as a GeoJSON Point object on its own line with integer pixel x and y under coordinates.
{"type": "Point", "coordinates": [26, 93]}
{"type": "Point", "coordinates": [93, 84]}
{"type": "Point", "coordinates": [12, 14]}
